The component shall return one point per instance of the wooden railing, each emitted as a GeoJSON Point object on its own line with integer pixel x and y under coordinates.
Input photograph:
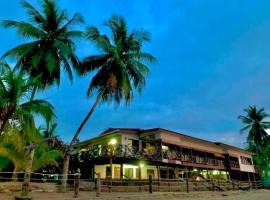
{"type": "Point", "coordinates": [149, 154]}
{"type": "Point", "coordinates": [234, 164]}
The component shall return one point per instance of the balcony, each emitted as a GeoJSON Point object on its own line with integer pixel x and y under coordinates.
{"type": "Point", "coordinates": [234, 164]}
{"type": "Point", "coordinates": [202, 160]}
{"type": "Point", "coordinates": [149, 154]}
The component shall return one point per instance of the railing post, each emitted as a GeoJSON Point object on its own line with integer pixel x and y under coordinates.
{"type": "Point", "coordinates": [98, 185]}
{"type": "Point", "coordinates": [187, 185]}
{"type": "Point", "coordinates": [76, 185]}
{"type": "Point", "coordinates": [150, 184]}
{"type": "Point", "coordinates": [213, 185]}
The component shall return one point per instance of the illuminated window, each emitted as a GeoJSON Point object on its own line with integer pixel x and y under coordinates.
{"type": "Point", "coordinates": [128, 172]}
{"type": "Point", "coordinates": [165, 148]}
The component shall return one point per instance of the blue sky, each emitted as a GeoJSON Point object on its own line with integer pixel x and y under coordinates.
{"type": "Point", "coordinates": [213, 61]}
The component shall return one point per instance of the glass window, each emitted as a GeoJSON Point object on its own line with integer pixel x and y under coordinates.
{"type": "Point", "coordinates": [128, 172]}
{"type": "Point", "coordinates": [117, 172]}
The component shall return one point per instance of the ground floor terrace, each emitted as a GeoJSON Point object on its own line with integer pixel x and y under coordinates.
{"type": "Point", "coordinates": [141, 169]}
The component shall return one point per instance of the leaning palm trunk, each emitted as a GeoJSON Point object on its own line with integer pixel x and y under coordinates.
{"type": "Point", "coordinates": [15, 175]}
{"type": "Point", "coordinates": [73, 141]}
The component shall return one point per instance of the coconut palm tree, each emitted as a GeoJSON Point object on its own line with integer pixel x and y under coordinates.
{"type": "Point", "coordinates": [50, 48]}
{"type": "Point", "coordinates": [256, 125]}
{"type": "Point", "coordinates": [119, 70]}
{"type": "Point", "coordinates": [15, 106]}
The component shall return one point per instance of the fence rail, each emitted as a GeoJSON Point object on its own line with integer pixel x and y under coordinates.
{"type": "Point", "coordinates": [39, 183]}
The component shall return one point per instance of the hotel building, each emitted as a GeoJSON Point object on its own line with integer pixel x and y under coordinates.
{"type": "Point", "coordinates": [131, 153]}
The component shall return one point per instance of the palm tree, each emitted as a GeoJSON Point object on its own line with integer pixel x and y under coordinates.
{"type": "Point", "coordinates": [256, 125]}
{"type": "Point", "coordinates": [51, 47]}
{"type": "Point", "coordinates": [120, 69]}
{"type": "Point", "coordinates": [50, 130]}
{"type": "Point", "coordinates": [15, 107]}
{"type": "Point", "coordinates": [13, 147]}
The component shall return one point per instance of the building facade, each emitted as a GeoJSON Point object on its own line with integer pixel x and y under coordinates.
{"type": "Point", "coordinates": [138, 153]}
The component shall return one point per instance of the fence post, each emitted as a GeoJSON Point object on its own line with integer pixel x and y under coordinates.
{"type": "Point", "coordinates": [150, 184]}
{"type": "Point", "coordinates": [169, 183]}
{"type": "Point", "coordinates": [213, 185]}
{"type": "Point", "coordinates": [187, 185]}
{"type": "Point", "coordinates": [98, 185]}
{"type": "Point", "coordinates": [76, 185]}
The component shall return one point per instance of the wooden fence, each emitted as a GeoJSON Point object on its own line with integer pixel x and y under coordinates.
{"type": "Point", "coordinates": [176, 185]}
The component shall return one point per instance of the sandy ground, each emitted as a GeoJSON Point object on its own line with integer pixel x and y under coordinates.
{"type": "Point", "coordinates": [253, 195]}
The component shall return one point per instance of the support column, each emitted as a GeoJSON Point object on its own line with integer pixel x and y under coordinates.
{"type": "Point", "coordinates": [249, 182]}
{"type": "Point", "coordinates": [176, 173]}
{"type": "Point", "coordinates": [121, 170]}
{"type": "Point", "coordinates": [240, 175]}
{"type": "Point", "coordinates": [158, 175]}
{"type": "Point", "coordinates": [140, 178]}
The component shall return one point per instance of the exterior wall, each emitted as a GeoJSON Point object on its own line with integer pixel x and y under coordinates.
{"type": "Point", "coordinates": [102, 170]}
{"type": "Point", "coordinates": [148, 167]}
{"type": "Point", "coordinates": [188, 142]}
{"type": "Point", "coordinates": [126, 136]}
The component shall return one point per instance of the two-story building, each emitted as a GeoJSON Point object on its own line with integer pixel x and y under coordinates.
{"type": "Point", "coordinates": [137, 153]}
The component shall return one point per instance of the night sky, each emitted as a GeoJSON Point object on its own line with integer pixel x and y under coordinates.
{"type": "Point", "coordinates": [213, 60]}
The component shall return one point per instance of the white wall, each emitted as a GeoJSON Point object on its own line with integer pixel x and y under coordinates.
{"type": "Point", "coordinates": [246, 168]}
{"type": "Point", "coordinates": [102, 170]}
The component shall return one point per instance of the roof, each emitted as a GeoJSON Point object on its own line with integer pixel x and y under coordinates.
{"type": "Point", "coordinates": [109, 130]}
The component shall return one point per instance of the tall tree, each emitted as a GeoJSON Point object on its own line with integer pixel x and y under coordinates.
{"type": "Point", "coordinates": [120, 68]}
{"type": "Point", "coordinates": [15, 106]}
{"type": "Point", "coordinates": [256, 125]}
{"type": "Point", "coordinates": [51, 47]}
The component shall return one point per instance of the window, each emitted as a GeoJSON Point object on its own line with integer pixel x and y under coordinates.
{"type": "Point", "coordinates": [245, 160]}
{"type": "Point", "coordinates": [133, 143]}
{"type": "Point", "coordinates": [150, 172]}
{"type": "Point", "coordinates": [130, 143]}
{"type": "Point", "coordinates": [117, 172]}
{"type": "Point", "coordinates": [108, 172]}
{"type": "Point", "coordinates": [128, 172]}
{"type": "Point", "coordinates": [165, 148]}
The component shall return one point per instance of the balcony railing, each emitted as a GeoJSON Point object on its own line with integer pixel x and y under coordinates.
{"type": "Point", "coordinates": [148, 154]}
{"type": "Point", "coordinates": [234, 164]}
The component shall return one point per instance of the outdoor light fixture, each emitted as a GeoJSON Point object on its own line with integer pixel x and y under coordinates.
{"type": "Point", "coordinates": [141, 165]}
{"type": "Point", "coordinates": [113, 142]}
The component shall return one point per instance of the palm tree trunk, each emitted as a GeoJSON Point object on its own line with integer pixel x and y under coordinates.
{"type": "Point", "coordinates": [15, 175]}
{"type": "Point", "coordinates": [3, 126]}
{"type": "Point", "coordinates": [73, 141]}
{"type": "Point", "coordinates": [65, 173]}
{"type": "Point", "coordinates": [28, 170]}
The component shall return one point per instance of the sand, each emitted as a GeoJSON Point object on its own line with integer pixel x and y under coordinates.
{"type": "Point", "coordinates": [248, 195]}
